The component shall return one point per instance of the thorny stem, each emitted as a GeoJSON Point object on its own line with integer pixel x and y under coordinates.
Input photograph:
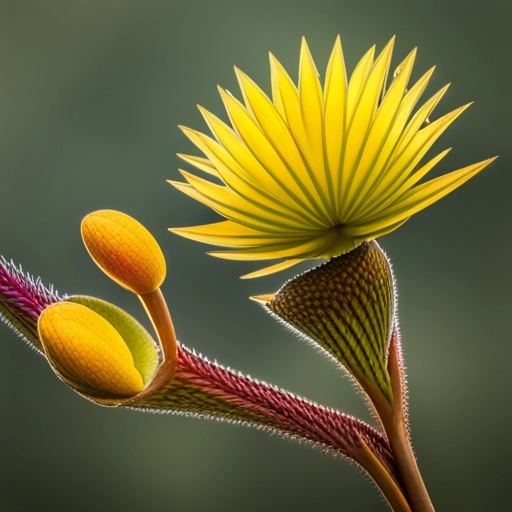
{"type": "Point", "coordinates": [23, 300]}
{"type": "Point", "coordinates": [393, 418]}
{"type": "Point", "coordinates": [285, 413]}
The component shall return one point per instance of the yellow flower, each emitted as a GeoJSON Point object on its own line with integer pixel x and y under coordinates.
{"type": "Point", "coordinates": [313, 173]}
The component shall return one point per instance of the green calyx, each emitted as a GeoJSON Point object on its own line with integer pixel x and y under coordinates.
{"type": "Point", "coordinates": [347, 306]}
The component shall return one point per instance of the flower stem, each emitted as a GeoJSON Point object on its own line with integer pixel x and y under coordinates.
{"type": "Point", "coordinates": [394, 421]}
{"type": "Point", "coordinates": [406, 461]}
{"type": "Point", "coordinates": [380, 475]}
{"type": "Point", "coordinates": [205, 388]}
{"type": "Point", "coordinates": [156, 308]}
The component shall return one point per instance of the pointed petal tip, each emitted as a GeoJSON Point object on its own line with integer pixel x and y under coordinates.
{"type": "Point", "coordinates": [178, 184]}
{"type": "Point", "coordinates": [241, 76]}
{"type": "Point", "coordinates": [274, 63]}
{"type": "Point", "coordinates": [262, 299]}
{"type": "Point", "coordinates": [186, 130]}
{"type": "Point", "coordinates": [180, 231]}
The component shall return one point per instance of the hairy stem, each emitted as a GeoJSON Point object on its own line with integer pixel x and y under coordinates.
{"type": "Point", "coordinates": [394, 422]}
{"type": "Point", "coordinates": [200, 387]}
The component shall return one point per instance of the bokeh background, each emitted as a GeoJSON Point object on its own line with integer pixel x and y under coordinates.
{"type": "Point", "coordinates": [91, 94]}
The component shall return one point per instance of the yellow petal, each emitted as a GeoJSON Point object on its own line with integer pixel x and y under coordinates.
{"type": "Point", "coordinates": [354, 91]}
{"type": "Point", "coordinates": [358, 129]}
{"type": "Point", "coordinates": [372, 235]}
{"type": "Point", "coordinates": [404, 185]}
{"type": "Point", "coordinates": [417, 199]}
{"type": "Point", "coordinates": [200, 163]}
{"type": "Point", "coordinates": [358, 81]}
{"type": "Point", "coordinates": [285, 94]}
{"type": "Point", "coordinates": [246, 211]}
{"type": "Point", "coordinates": [262, 148]}
{"type": "Point", "coordinates": [312, 106]}
{"type": "Point", "coordinates": [409, 140]}
{"type": "Point", "coordinates": [412, 155]}
{"type": "Point", "coordinates": [271, 270]}
{"type": "Point", "coordinates": [233, 154]}
{"type": "Point", "coordinates": [85, 348]}
{"type": "Point", "coordinates": [381, 165]}
{"type": "Point", "coordinates": [279, 135]}
{"type": "Point", "coordinates": [232, 234]}
{"type": "Point", "coordinates": [125, 250]}
{"type": "Point", "coordinates": [379, 133]}
{"type": "Point", "coordinates": [294, 250]}
{"type": "Point", "coordinates": [335, 100]}
{"type": "Point", "coordinates": [417, 122]}
{"type": "Point", "coordinates": [276, 94]}
{"type": "Point", "coordinates": [234, 175]}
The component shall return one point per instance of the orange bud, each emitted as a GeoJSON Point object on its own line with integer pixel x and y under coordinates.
{"type": "Point", "coordinates": [86, 350]}
{"type": "Point", "coordinates": [125, 250]}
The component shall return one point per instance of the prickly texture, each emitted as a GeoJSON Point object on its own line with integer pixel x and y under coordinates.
{"type": "Point", "coordinates": [347, 307]}
{"type": "Point", "coordinates": [396, 367]}
{"type": "Point", "coordinates": [22, 300]}
{"type": "Point", "coordinates": [207, 389]}
{"type": "Point", "coordinates": [125, 250]}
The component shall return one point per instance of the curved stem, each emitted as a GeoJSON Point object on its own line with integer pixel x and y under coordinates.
{"type": "Point", "coordinates": [205, 388]}
{"type": "Point", "coordinates": [384, 481]}
{"type": "Point", "coordinates": [156, 308]}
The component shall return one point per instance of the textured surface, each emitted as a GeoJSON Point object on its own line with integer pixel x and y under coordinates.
{"type": "Point", "coordinates": [91, 96]}
{"type": "Point", "coordinates": [87, 350]}
{"type": "Point", "coordinates": [22, 299]}
{"type": "Point", "coordinates": [82, 338]}
{"type": "Point", "coordinates": [125, 250]}
{"type": "Point", "coordinates": [347, 306]}
{"type": "Point", "coordinates": [206, 389]}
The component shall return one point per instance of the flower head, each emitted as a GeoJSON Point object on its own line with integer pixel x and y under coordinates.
{"type": "Point", "coordinates": [314, 172]}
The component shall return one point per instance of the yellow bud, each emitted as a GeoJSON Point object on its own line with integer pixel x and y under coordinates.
{"type": "Point", "coordinates": [87, 350]}
{"type": "Point", "coordinates": [125, 250]}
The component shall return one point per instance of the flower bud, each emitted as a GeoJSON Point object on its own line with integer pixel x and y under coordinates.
{"type": "Point", "coordinates": [347, 306]}
{"type": "Point", "coordinates": [125, 250]}
{"type": "Point", "coordinates": [87, 351]}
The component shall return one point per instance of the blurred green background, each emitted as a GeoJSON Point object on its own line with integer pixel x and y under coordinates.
{"type": "Point", "coordinates": [91, 94]}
